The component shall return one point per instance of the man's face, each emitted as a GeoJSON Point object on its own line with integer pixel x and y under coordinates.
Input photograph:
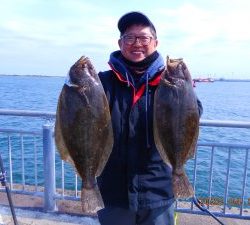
{"type": "Point", "coordinates": [137, 51]}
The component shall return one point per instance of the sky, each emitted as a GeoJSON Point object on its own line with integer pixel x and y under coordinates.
{"type": "Point", "coordinates": [45, 37]}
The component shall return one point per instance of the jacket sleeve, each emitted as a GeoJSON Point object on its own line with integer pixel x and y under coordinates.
{"type": "Point", "coordinates": [107, 80]}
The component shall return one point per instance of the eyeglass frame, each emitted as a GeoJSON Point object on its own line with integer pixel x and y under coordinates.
{"type": "Point", "coordinates": [137, 38]}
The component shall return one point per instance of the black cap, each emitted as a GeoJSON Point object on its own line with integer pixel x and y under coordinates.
{"type": "Point", "coordinates": [133, 18]}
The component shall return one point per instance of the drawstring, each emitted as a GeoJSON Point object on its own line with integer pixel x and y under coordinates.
{"type": "Point", "coordinates": [127, 79]}
{"type": "Point", "coordinates": [146, 107]}
{"type": "Point", "coordinates": [146, 110]}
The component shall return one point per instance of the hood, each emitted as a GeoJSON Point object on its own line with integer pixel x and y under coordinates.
{"type": "Point", "coordinates": [117, 65]}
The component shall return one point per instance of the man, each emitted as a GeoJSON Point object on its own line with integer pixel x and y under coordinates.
{"type": "Point", "coordinates": [136, 184]}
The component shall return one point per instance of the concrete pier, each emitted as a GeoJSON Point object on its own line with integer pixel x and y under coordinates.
{"type": "Point", "coordinates": [29, 210]}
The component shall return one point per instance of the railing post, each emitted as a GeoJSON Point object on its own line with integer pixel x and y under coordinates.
{"type": "Point", "coordinates": [49, 168]}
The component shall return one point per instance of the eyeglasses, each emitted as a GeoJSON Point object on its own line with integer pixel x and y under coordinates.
{"type": "Point", "coordinates": [131, 39]}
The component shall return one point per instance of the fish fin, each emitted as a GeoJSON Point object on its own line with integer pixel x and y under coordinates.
{"type": "Point", "coordinates": [91, 200]}
{"type": "Point", "coordinates": [192, 152]}
{"type": "Point", "coordinates": [60, 144]}
{"type": "Point", "coordinates": [159, 145]}
{"type": "Point", "coordinates": [181, 185]}
{"type": "Point", "coordinates": [107, 148]}
{"type": "Point", "coordinates": [193, 147]}
{"type": "Point", "coordinates": [59, 140]}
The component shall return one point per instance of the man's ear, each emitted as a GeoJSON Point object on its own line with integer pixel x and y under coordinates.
{"type": "Point", "coordinates": [120, 42]}
{"type": "Point", "coordinates": [156, 43]}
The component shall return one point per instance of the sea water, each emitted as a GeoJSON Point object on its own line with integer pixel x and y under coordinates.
{"type": "Point", "coordinates": [221, 101]}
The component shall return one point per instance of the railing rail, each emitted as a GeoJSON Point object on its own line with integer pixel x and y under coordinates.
{"type": "Point", "coordinates": [29, 113]}
{"type": "Point", "coordinates": [203, 122]}
{"type": "Point", "coordinates": [49, 115]}
{"type": "Point", "coordinates": [50, 193]}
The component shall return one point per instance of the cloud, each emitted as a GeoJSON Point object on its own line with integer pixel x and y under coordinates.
{"type": "Point", "coordinates": [212, 38]}
{"type": "Point", "coordinates": [196, 24]}
{"type": "Point", "coordinates": [83, 22]}
{"type": "Point", "coordinates": [60, 31]}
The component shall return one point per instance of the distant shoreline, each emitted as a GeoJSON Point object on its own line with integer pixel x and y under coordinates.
{"type": "Point", "coordinates": [19, 75]}
{"type": "Point", "coordinates": [214, 80]}
{"type": "Point", "coordinates": [233, 80]}
{"type": "Point", "coordinates": [223, 80]}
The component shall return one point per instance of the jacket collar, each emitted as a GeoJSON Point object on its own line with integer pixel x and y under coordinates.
{"type": "Point", "coordinates": [118, 66]}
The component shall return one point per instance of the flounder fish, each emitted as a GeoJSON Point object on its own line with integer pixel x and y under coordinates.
{"type": "Point", "coordinates": [176, 122]}
{"type": "Point", "coordinates": [83, 129]}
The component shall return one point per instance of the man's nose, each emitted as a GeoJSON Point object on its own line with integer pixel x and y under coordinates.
{"type": "Point", "coordinates": [137, 42]}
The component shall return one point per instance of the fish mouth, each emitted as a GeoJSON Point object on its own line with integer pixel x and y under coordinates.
{"type": "Point", "coordinates": [80, 70]}
{"type": "Point", "coordinates": [85, 64]}
{"type": "Point", "coordinates": [84, 61]}
{"type": "Point", "coordinates": [174, 73]}
{"type": "Point", "coordinates": [175, 68]}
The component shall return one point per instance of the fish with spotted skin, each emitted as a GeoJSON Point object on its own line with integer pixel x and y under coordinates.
{"type": "Point", "coordinates": [83, 129]}
{"type": "Point", "coordinates": [176, 123]}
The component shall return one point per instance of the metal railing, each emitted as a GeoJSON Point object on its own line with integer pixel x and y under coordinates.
{"type": "Point", "coordinates": [222, 205]}
{"type": "Point", "coordinates": [50, 177]}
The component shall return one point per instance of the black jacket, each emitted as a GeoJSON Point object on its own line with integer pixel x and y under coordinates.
{"type": "Point", "coordinates": [135, 176]}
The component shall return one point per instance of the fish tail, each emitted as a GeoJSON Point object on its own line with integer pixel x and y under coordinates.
{"type": "Point", "coordinates": [91, 200]}
{"type": "Point", "coordinates": [181, 186]}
